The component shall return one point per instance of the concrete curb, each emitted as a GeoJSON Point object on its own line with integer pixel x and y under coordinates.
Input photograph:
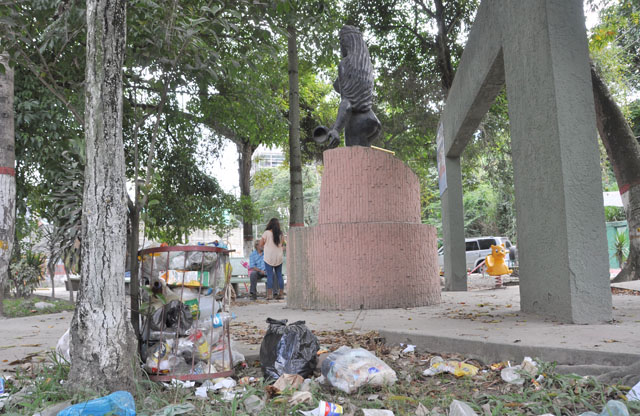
{"type": "Point", "coordinates": [491, 352]}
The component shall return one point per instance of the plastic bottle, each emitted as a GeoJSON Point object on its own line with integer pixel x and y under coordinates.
{"type": "Point", "coordinates": [329, 409]}
{"type": "Point", "coordinates": [201, 344]}
{"type": "Point", "coordinates": [219, 319]}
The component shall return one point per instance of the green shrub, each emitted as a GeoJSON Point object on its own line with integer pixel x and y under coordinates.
{"type": "Point", "coordinates": [26, 274]}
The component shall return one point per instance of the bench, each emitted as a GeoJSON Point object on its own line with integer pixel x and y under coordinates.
{"type": "Point", "coordinates": [240, 274]}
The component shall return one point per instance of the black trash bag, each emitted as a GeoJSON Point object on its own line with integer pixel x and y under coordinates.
{"type": "Point", "coordinates": [288, 349]}
{"type": "Point", "coordinates": [174, 317]}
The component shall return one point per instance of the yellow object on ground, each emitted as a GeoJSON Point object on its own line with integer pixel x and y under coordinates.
{"type": "Point", "coordinates": [457, 368]}
{"type": "Point", "coordinates": [495, 261]}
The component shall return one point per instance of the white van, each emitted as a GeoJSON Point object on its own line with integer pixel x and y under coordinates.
{"type": "Point", "coordinates": [478, 248]}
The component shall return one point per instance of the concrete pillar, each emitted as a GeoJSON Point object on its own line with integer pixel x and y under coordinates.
{"type": "Point", "coordinates": [560, 216]}
{"type": "Point", "coordinates": [455, 267]}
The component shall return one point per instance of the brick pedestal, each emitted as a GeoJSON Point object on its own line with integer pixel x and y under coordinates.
{"type": "Point", "coordinates": [369, 250]}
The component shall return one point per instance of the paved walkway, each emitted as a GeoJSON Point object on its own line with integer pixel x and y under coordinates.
{"type": "Point", "coordinates": [483, 323]}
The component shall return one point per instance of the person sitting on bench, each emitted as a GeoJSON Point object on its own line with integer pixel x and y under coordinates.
{"type": "Point", "coordinates": [256, 268]}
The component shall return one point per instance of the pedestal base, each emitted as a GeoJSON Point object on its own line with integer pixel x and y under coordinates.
{"type": "Point", "coordinates": [362, 266]}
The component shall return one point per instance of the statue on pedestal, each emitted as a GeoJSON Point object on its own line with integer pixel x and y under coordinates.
{"type": "Point", "coordinates": [355, 86]}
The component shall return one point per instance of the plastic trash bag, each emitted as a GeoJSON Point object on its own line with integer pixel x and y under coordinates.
{"type": "Point", "coordinates": [120, 403]}
{"type": "Point", "coordinates": [348, 369]}
{"type": "Point", "coordinates": [288, 349]}
{"type": "Point", "coordinates": [62, 348]}
{"type": "Point", "coordinates": [175, 316]}
{"type": "Point", "coordinates": [458, 408]}
{"type": "Point", "coordinates": [612, 408]}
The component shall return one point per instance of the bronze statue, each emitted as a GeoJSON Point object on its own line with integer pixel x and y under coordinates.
{"type": "Point", "coordinates": [355, 86]}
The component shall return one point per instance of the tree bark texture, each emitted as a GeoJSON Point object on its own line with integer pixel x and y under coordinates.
{"type": "Point", "coordinates": [245, 150]}
{"type": "Point", "coordinates": [296, 214]}
{"type": "Point", "coordinates": [623, 151]}
{"type": "Point", "coordinates": [7, 174]}
{"type": "Point", "coordinates": [103, 354]}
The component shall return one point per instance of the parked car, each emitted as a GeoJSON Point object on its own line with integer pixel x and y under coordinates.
{"type": "Point", "coordinates": [478, 248]}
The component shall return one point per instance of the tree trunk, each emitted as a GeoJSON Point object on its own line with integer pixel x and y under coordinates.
{"type": "Point", "coordinates": [103, 356]}
{"type": "Point", "coordinates": [51, 267]}
{"type": "Point", "coordinates": [245, 150]}
{"type": "Point", "coordinates": [623, 151]}
{"type": "Point", "coordinates": [7, 174]}
{"type": "Point", "coordinates": [66, 272]}
{"type": "Point", "coordinates": [443, 55]}
{"type": "Point", "coordinates": [134, 283]}
{"type": "Point", "coordinates": [296, 216]}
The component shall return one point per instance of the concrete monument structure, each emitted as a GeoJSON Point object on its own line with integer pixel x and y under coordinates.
{"type": "Point", "coordinates": [369, 249]}
{"type": "Point", "coordinates": [538, 48]}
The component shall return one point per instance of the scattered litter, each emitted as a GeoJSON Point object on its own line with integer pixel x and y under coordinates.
{"type": "Point", "coordinates": [421, 410]}
{"type": "Point", "coordinates": [306, 385]}
{"type": "Point", "coordinates": [377, 412]}
{"type": "Point", "coordinates": [253, 404]}
{"type": "Point", "coordinates": [118, 403]}
{"type": "Point", "coordinates": [43, 305]}
{"type": "Point", "coordinates": [288, 349]}
{"type": "Point", "coordinates": [373, 397]}
{"type": "Point", "coordinates": [300, 397]}
{"type": "Point", "coordinates": [500, 365]}
{"type": "Point", "coordinates": [247, 381]}
{"type": "Point", "coordinates": [1, 385]}
{"type": "Point", "coordinates": [324, 409]}
{"type": "Point", "coordinates": [175, 409]}
{"type": "Point", "coordinates": [514, 375]}
{"type": "Point", "coordinates": [458, 408]}
{"type": "Point", "coordinates": [52, 410]}
{"type": "Point", "coordinates": [204, 388]}
{"type": "Point", "coordinates": [457, 368]}
{"type": "Point", "coordinates": [612, 408]}
{"type": "Point", "coordinates": [409, 349]}
{"type": "Point", "coordinates": [634, 393]}
{"type": "Point", "coordinates": [179, 383]}
{"type": "Point", "coordinates": [288, 381]}
{"type": "Point", "coordinates": [62, 348]}
{"type": "Point", "coordinates": [348, 369]}
{"type": "Point", "coordinates": [225, 383]}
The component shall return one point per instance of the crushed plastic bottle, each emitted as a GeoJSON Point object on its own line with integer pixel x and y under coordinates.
{"type": "Point", "coordinates": [219, 319]}
{"type": "Point", "coordinates": [201, 344]}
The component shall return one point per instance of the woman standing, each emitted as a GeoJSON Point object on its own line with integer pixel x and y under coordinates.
{"type": "Point", "coordinates": [273, 243]}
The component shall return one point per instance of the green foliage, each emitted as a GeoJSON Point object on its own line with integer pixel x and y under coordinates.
{"type": "Point", "coordinates": [614, 214]}
{"type": "Point", "coordinates": [270, 193]}
{"type": "Point", "coordinates": [26, 273]}
{"type": "Point", "coordinates": [184, 199]}
{"type": "Point", "coordinates": [621, 247]}
{"type": "Point", "coordinates": [19, 307]}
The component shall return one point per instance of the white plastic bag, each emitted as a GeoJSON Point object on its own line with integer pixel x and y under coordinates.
{"type": "Point", "coordinates": [62, 349]}
{"type": "Point", "coordinates": [348, 369]}
{"type": "Point", "coordinates": [458, 408]}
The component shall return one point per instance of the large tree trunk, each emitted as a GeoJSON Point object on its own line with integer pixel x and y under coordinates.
{"type": "Point", "coordinates": [623, 151]}
{"type": "Point", "coordinates": [7, 173]}
{"type": "Point", "coordinates": [103, 356]}
{"type": "Point", "coordinates": [296, 215]}
{"type": "Point", "coordinates": [245, 150]}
